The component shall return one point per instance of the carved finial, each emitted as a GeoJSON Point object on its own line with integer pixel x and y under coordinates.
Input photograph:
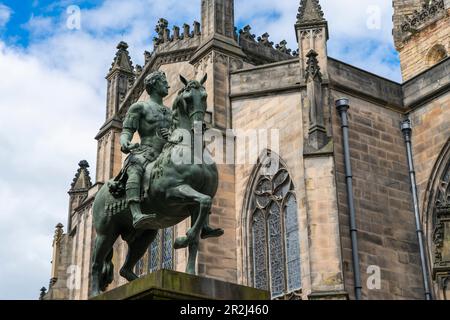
{"type": "Point", "coordinates": [147, 57]}
{"type": "Point", "coordinates": [58, 234]}
{"type": "Point", "coordinates": [310, 11]}
{"type": "Point", "coordinates": [83, 164]}
{"type": "Point", "coordinates": [197, 30]}
{"type": "Point", "coordinates": [246, 33]}
{"type": "Point", "coordinates": [312, 66]}
{"type": "Point", "coordinates": [282, 47]}
{"type": "Point", "coordinates": [138, 70]}
{"type": "Point", "coordinates": [162, 31]}
{"type": "Point", "coordinates": [82, 180]}
{"type": "Point", "coordinates": [176, 33]}
{"type": "Point", "coordinates": [122, 45]}
{"type": "Point", "coordinates": [122, 60]}
{"type": "Point", "coordinates": [186, 31]}
{"type": "Point", "coordinates": [264, 40]}
{"type": "Point", "coordinates": [43, 293]}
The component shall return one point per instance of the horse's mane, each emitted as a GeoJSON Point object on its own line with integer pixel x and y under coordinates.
{"type": "Point", "coordinates": [179, 105]}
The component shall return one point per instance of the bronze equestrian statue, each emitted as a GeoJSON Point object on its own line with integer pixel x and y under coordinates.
{"type": "Point", "coordinates": [157, 188]}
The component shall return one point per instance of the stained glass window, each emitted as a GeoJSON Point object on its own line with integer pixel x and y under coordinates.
{"type": "Point", "coordinates": [159, 254]}
{"type": "Point", "coordinates": [274, 231]}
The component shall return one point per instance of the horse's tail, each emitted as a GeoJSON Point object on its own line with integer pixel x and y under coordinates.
{"type": "Point", "coordinates": [107, 275]}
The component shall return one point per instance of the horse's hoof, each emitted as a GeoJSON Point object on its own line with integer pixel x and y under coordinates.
{"type": "Point", "coordinates": [95, 293]}
{"type": "Point", "coordinates": [211, 233]}
{"type": "Point", "coordinates": [190, 271]}
{"type": "Point", "coordinates": [128, 275]}
{"type": "Point", "coordinates": [181, 243]}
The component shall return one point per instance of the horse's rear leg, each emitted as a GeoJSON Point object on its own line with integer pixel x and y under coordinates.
{"type": "Point", "coordinates": [136, 249]}
{"type": "Point", "coordinates": [103, 247]}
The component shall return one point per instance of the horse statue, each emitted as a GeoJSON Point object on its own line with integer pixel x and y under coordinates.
{"type": "Point", "coordinates": [178, 190]}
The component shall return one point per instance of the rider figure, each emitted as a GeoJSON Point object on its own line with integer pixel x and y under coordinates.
{"type": "Point", "coordinates": [152, 120]}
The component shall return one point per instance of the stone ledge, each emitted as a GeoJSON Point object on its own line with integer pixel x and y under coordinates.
{"type": "Point", "coordinates": [171, 285]}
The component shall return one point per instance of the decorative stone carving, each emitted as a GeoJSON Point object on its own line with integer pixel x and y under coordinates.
{"type": "Point", "coordinates": [147, 57]}
{"type": "Point", "coordinates": [186, 31]}
{"type": "Point", "coordinates": [197, 30]}
{"type": "Point", "coordinates": [176, 33]}
{"type": "Point", "coordinates": [282, 47]}
{"type": "Point", "coordinates": [122, 60]}
{"type": "Point", "coordinates": [82, 180]}
{"type": "Point", "coordinates": [441, 233]}
{"type": "Point", "coordinates": [138, 70]}
{"type": "Point", "coordinates": [264, 40]}
{"type": "Point", "coordinates": [317, 133]}
{"type": "Point", "coordinates": [430, 11]}
{"type": "Point", "coordinates": [295, 295]}
{"type": "Point", "coordinates": [161, 30]}
{"type": "Point", "coordinates": [310, 11]}
{"type": "Point", "coordinates": [58, 234]}
{"type": "Point", "coordinates": [246, 33]}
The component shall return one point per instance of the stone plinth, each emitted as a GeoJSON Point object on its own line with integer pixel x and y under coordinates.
{"type": "Point", "coordinates": [171, 285]}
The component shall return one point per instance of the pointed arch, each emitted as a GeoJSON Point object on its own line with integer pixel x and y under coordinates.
{"type": "Point", "coordinates": [436, 215]}
{"type": "Point", "coordinates": [271, 228]}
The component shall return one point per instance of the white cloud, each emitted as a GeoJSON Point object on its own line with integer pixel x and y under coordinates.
{"type": "Point", "coordinates": [5, 15]}
{"type": "Point", "coordinates": [53, 103]}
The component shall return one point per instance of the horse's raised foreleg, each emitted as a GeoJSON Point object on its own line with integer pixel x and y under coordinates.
{"type": "Point", "coordinates": [103, 247]}
{"type": "Point", "coordinates": [136, 249]}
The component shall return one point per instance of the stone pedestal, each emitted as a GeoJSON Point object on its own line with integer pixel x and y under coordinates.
{"type": "Point", "coordinates": [171, 285]}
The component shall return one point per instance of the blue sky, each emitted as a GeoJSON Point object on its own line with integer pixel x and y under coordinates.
{"type": "Point", "coordinates": [53, 99]}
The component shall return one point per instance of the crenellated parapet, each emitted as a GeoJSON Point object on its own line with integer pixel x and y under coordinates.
{"type": "Point", "coordinates": [177, 39]}
{"type": "Point", "coordinates": [261, 50]}
{"type": "Point", "coordinates": [429, 13]}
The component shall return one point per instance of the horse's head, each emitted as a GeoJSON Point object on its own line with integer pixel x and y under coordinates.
{"type": "Point", "coordinates": [191, 101]}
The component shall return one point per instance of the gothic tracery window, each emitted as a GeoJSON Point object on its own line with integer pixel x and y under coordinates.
{"type": "Point", "coordinates": [274, 232]}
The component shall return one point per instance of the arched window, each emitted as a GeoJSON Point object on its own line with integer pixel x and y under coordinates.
{"type": "Point", "coordinates": [274, 234]}
{"type": "Point", "coordinates": [436, 54]}
{"type": "Point", "coordinates": [437, 217]}
{"type": "Point", "coordinates": [159, 254]}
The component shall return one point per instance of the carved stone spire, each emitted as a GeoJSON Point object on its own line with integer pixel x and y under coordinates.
{"type": "Point", "coordinates": [82, 180]}
{"type": "Point", "coordinates": [122, 60]}
{"type": "Point", "coordinates": [312, 34]}
{"type": "Point", "coordinates": [310, 11]}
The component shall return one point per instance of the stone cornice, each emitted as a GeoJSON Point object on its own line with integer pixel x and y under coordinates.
{"type": "Point", "coordinates": [113, 123]}
{"type": "Point", "coordinates": [419, 20]}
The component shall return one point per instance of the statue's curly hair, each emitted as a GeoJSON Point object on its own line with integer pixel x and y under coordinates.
{"type": "Point", "coordinates": [152, 78]}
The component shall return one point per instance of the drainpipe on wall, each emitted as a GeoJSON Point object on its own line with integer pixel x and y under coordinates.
{"type": "Point", "coordinates": [342, 106]}
{"type": "Point", "coordinates": [407, 133]}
